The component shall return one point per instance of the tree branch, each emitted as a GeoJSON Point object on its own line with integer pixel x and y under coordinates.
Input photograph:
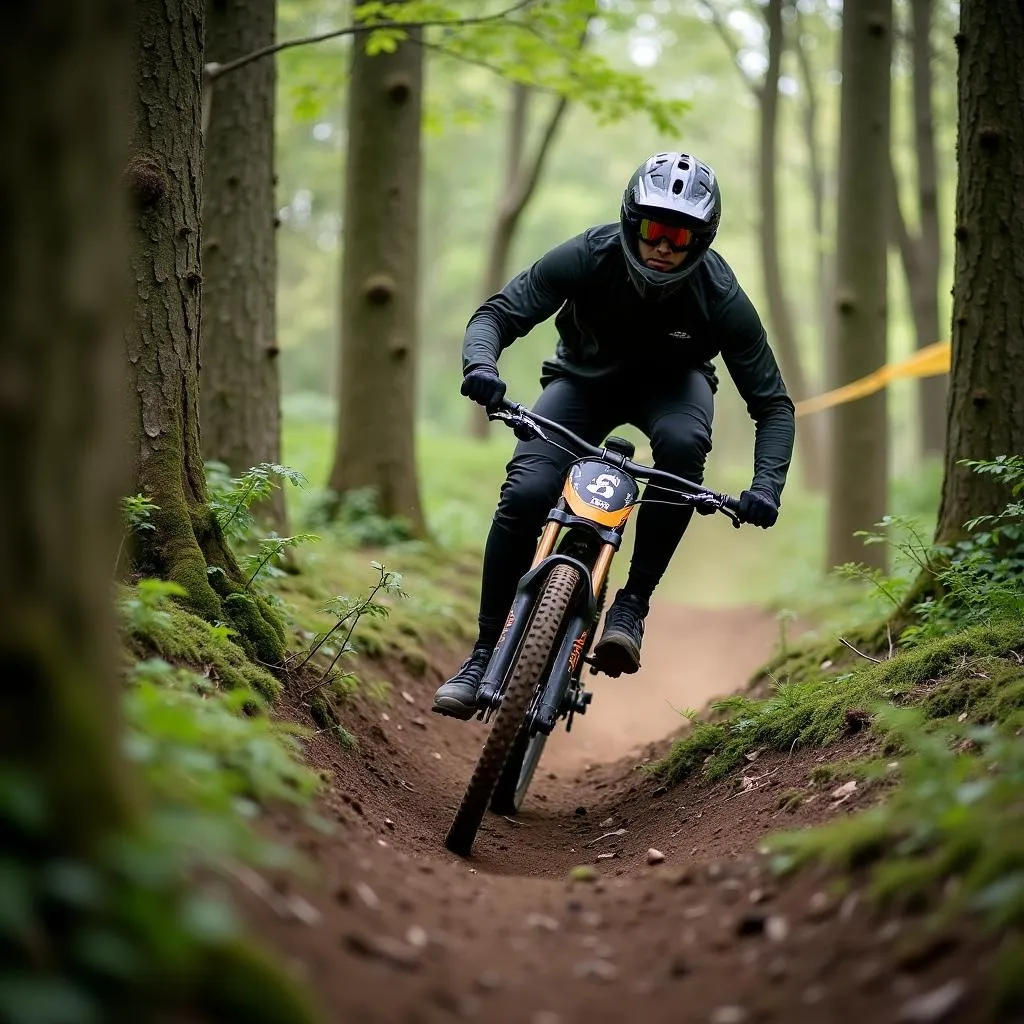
{"type": "Point", "coordinates": [477, 62]}
{"type": "Point", "coordinates": [899, 232]}
{"type": "Point", "coordinates": [730, 42]}
{"type": "Point", "coordinates": [810, 121]}
{"type": "Point", "coordinates": [213, 70]}
{"type": "Point", "coordinates": [529, 182]}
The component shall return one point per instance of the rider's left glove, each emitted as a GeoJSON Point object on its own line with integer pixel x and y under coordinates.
{"type": "Point", "coordinates": [758, 509]}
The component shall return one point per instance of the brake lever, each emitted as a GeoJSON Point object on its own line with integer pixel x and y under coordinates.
{"type": "Point", "coordinates": [710, 504]}
{"type": "Point", "coordinates": [522, 426]}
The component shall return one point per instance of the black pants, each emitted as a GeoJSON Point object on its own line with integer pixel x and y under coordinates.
{"type": "Point", "coordinates": [675, 415]}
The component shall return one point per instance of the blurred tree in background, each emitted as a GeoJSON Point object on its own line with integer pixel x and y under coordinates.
{"type": "Point", "coordinates": [239, 379]}
{"type": "Point", "coordinates": [375, 444]}
{"type": "Point", "coordinates": [859, 462]}
{"type": "Point", "coordinates": [920, 251]}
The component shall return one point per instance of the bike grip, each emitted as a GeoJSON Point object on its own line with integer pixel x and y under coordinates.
{"type": "Point", "coordinates": [732, 504]}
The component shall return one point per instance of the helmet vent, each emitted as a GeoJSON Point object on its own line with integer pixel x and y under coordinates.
{"type": "Point", "coordinates": [677, 186]}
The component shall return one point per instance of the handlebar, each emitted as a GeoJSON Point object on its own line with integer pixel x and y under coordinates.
{"type": "Point", "coordinates": [529, 425]}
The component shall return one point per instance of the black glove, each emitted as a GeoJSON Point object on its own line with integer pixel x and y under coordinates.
{"type": "Point", "coordinates": [758, 508]}
{"type": "Point", "coordinates": [485, 387]}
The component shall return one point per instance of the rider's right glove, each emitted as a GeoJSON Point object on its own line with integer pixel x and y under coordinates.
{"type": "Point", "coordinates": [758, 509]}
{"type": "Point", "coordinates": [485, 387]}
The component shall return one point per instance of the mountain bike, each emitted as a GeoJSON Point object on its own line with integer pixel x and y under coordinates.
{"type": "Point", "coordinates": [534, 676]}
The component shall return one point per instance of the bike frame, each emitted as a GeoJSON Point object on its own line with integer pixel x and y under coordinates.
{"type": "Point", "coordinates": [608, 525]}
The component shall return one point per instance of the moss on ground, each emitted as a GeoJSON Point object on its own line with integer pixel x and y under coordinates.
{"type": "Point", "coordinates": [181, 637]}
{"type": "Point", "coordinates": [974, 671]}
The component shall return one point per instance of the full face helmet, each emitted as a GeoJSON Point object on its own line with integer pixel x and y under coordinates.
{"type": "Point", "coordinates": [673, 196]}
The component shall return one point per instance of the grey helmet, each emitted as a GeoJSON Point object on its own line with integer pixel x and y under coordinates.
{"type": "Point", "coordinates": [676, 189]}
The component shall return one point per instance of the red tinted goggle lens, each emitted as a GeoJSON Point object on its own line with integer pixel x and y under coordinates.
{"type": "Point", "coordinates": [652, 233]}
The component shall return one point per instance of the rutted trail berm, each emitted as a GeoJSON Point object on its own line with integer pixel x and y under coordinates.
{"type": "Point", "coordinates": [395, 929]}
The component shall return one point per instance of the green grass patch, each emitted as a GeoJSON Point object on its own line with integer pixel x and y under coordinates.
{"type": "Point", "coordinates": [982, 681]}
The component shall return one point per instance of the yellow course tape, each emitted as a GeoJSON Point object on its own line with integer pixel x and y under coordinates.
{"type": "Point", "coordinates": [925, 362]}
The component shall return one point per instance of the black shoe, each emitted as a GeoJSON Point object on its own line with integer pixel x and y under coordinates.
{"type": "Point", "coordinates": [457, 697]}
{"type": "Point", "coordinates": [618, 650]}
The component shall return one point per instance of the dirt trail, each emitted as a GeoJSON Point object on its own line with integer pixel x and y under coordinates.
{"type": "Point", "coordinates": [690, 656]}
{"type": "Point", "coordinates": [394, 929]}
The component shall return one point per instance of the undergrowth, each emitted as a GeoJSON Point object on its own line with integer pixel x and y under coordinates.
{"type": "Point", "coordinates": [949, 837]}
{"type": "Point", "coordinates": [199, 725]}
{"type": "Point", "coordinates": [971, 671]}
{"type": "Point", "coordinates": [946, 698]}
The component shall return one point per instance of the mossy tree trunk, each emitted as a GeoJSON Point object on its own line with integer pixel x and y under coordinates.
{"type": "Point", "coordinates": [985, 413]}
{"type": "Point", "coordinates": [859, 464]}
{"type": "Point", "coordinates": [68, 809]}
{"type": "Point", "coordinates": [164, 177]}
{"type": "Point", "coordinates": [375, 447]}
{"type": "Point", "coordinates": [239, 383]}
{"type": "Point", "coordinates": [62, 259]}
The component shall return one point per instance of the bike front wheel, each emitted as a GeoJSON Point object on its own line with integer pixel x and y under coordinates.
{"type": "Point", "coordinates": [543, 633]}
{"type": "Point", "coordinates": [517, 774]}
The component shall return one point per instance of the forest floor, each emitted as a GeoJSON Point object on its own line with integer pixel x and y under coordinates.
{"type": "Point", "coordinates": [390, 927]}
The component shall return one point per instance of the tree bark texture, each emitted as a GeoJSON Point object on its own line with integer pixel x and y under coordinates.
{"type": "Point", "coordinates": [986, 400]}
{"type": "Point", "coordinates": [518, 187]}
{"type": "Point", "coordinates": [921, 252]}
{"type": "Point", "coordinates": [239, 383]}
{"type": "Point", "coordinates": [858, 467]}
{"type": "Point", "coordinates": [62, 287]}
{"type": "Point", "coordinates": [164, 176]}
{"type": "Point", "coordinates": [375, 445]}
{"type": "Point", "coordinates": [783, 335]}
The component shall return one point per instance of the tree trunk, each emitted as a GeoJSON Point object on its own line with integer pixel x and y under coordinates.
{"type": "Point", "coordinates": [783, 335]}
{"type": "Point", "coordinates": [825, 260]}
{"type": "Point", "coordinates": [517, 189]}
{"type": "Point", "coordinates": [986, 400]}
{"type": "Point", "coordinates": [375, 445]}
{"type": "Point", "coordinates": [925, 298]}
{"type": "Point", "coordinates": [858, 483]}
{"type": "Point", "coordinates": [239, 378]}
{"type": "Point", "coordinates": [62, 255]}
{"type": "Point", "coordinates": [165, 178]}
{"type": "Point", "coordinates": [921, 253]}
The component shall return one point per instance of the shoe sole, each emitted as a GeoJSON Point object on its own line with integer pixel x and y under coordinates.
{"type": "Point", "coordinates": [453, 709]}
{"type": "Point", "coordinates": [616, 654]}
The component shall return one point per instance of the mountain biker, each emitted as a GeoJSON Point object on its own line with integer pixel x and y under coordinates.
{"type": "Point", "coordinates": [642, 308]}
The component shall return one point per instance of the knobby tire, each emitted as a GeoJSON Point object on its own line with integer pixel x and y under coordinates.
{"type": "Point", "coordinates": [522, 760]}
{"type": "Point", "coordinates": [542, 634]}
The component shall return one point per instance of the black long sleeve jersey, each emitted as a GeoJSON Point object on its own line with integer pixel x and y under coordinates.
{"type": "Point", "coordinates": [604, 327]}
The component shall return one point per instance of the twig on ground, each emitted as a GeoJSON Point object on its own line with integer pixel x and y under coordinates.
{"type": "Point", "coordinates": [888, 633]}
{"type": "Point", "coordinates": [755, 783]}
{"type": "Point", "coordinates": [846, 643]}
{"type": "Point", "coordinates": [608, 835]}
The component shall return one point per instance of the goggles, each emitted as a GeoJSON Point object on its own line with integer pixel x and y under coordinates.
{"type": "Point", "coordinates": [652, 232]}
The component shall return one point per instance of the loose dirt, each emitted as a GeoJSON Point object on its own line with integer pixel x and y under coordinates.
{"type": "Point", "coordinates": [392, 928]}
